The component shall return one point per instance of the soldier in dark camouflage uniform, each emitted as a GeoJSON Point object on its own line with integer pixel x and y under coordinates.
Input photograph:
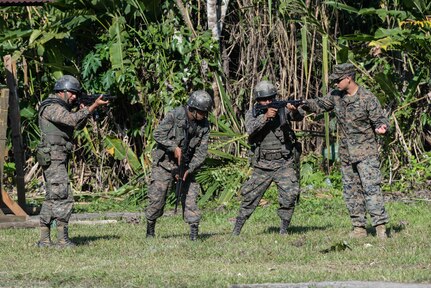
{"type": "Point", "coordinates": [171, 138]}
{"type": "Point", "coordinates": [57, 123]}
{"type": "Point", "coordinates": [360, 118]}
{"type": "Point", "coordinates": [275, 158]}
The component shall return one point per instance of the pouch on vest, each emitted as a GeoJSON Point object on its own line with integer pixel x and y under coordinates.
{"type": "Point", "coordinates": [43, 155]}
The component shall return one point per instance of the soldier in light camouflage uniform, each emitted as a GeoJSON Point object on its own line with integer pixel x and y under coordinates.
{"type": "Point", "coordinates": [360, 117]}
{"type": "Point", "coordinates": [171, 141]}
{"type": "Point", "coordinates": [57, 123]}
{"type": "Point", "coordinates": [275, 158]}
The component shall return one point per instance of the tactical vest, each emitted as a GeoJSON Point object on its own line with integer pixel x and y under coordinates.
{"type": "Point", "coordinates": [195, 133]}
{"type": "Point", "coordinates": [54, 133]}
{"type": "Point", "coordinates": [275, 142]}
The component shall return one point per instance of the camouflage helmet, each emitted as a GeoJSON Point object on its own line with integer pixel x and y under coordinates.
{"type": "Point", "coordinates": [200, 100]}
{"type": "Point", "coordinates": [68, 83]}
{"type": "Point", "coordinates": [264, 89]}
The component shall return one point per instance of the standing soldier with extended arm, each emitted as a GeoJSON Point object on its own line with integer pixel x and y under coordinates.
{"type": "Point", "coordinates": [275, 158]}
{"type": "Point", "coordinates": [57, 123]}
{"type": "Point", "coordinates": [360, 117]}
{"type": "Point", "coordinates": [184, 130]}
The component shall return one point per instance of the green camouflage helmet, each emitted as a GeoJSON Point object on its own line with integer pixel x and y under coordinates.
{"type": "Point", "coordinates": [264, 89]}
{"type": "Point", "coordinates": [68, 83]}
{"type": "Point", "coordinates": [200, 100]}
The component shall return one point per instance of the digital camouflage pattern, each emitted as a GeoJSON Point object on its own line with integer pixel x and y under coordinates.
{"type": "Point", "coordinates": [274, 157]}
{"type": "Point", "coordinates": [342, 70]}
{"type": "Point", "coordinates": [57, 123]}
{"type": "Point", "coordinates": [358, 116]}
{"type": "Point", "coordinates": [362, 193]}
{"type": "Point", "coordinates": [169, 135]}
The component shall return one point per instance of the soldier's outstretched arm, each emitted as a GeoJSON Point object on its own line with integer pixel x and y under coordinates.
{"type": "Point", "coordinates": [59, 114]}
{"type": "Point", "coordinates": [321, 104]}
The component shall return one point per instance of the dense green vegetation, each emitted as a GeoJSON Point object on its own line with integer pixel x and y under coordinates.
{"type": "Point", "coordinates": [152, 56]}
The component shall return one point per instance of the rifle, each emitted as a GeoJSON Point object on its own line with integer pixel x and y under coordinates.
{"type": "Point", "coordinates": [181, 170]}
{"type": "Point", "coordinates": [88, 99]}
{"type": "Point", "coordinates": [279, 105]}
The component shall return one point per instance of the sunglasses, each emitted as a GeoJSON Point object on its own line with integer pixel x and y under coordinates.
{"type": "Point", "coordinates": [336, 81]}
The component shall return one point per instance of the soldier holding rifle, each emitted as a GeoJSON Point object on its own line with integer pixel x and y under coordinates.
{"type": "Point", "coordinates": [57, 123]}
{"type": "Point", "coordinates": [182, 146]}
{"type": "Point", "coordinates": [274, 155]}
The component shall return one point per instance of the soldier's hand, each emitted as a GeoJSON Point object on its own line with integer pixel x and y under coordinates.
{"type": "Point", "coordinates": [99, 101]}
{"type": "Point", "coordinates": [270, 113]}
{"type": "Point", "coordinates": [291, 107]}
{"type": "Point", "coordinates": [178, 154]}
{"type": "Point", "coordinates": [382, 129]}
{"type": "Point", "coordinates": [185, 175]}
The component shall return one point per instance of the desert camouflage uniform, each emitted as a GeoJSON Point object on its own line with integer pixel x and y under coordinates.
{"type": "Point", "coordinates": [357, 117]}
{"type": "Point", "coordinates": [275, 158]}
{"type": "Point", "coordinates": [169, 135]}
{"type": "Point", "coordinates": [57, 124]}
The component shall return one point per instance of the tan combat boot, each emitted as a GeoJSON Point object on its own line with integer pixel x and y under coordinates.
{"type": "Point", "coordinates": [45, 237]}
{"type": "Point", "coordinates": [63, 236]}
{"type": "Point", "coordinates": [358, 232]}
{"type": "Point", "coordinates": [381, 232]}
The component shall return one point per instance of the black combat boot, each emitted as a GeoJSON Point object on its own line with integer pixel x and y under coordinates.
{"type": "Point", "coordinates": [238, 226]}
{"type": "Point", "coordinates": [283, 226]}
{"type": "Point", "coordinates": [45, 237]}
{"type": "Point", "coordinates": [151, 228]}
{"type": "Point", "coordinates": [63, 235]}
{"type": "Point", "coordinates": [194, 230]}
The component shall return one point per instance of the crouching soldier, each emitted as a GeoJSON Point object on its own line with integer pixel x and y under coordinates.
{"type": "Point", "coordinates": [182, 145]}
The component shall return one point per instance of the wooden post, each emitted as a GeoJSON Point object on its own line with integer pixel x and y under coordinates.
{"type": "Point", "coordinates": [15, 123]}
{"type": "Point", "coordinates": [4, 98]}
{"type": "Point", "coordinates": [20, 214]}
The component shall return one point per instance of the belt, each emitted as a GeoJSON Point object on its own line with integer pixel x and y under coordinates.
{"type": "Point", "coordinates": [271, 155]}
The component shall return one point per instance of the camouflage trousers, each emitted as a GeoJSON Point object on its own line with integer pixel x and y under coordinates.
{"type": "Point", "coordinates": [58, 202]}
{"type": "Point", "coordinates": [285, 177]}
{"type": "Point", "coordinates": [160, 184]}
{"type": "Point", "coordinates": [362, 192]}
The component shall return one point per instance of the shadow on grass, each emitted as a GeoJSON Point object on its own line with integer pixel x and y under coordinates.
{"type": "Point", "coordinates": [295, 229]}
{"type": "Point", "coordinates": [86, 240]}
{"type": "Point", "coordinates": [202, 236]}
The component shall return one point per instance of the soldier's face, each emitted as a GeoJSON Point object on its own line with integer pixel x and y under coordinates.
{"type": "Point", "coordinates": [265, 101]}
{"type": "Point", "coordinates": [342, 83]}
{"type": "Point", "coordinates": [201, 115]}
{"type": "Point", "coordinates": [68, 97]}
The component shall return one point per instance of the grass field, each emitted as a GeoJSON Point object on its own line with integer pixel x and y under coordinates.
{"type": "Point", "coordinates": [119, 255]}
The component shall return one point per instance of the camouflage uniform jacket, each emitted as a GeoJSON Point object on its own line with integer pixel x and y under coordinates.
{"type": "Point", "coordinates": [357, 116]}
{"type": "Point", "coordinates": [57, 122]}
{"type": "Point", "coordinates": [170, 134]}
{"type": "Point", "coordinates": [267, 136]}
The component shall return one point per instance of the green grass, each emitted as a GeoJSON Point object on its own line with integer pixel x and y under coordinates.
{"type": "Point", "coordinates": [119, 255]}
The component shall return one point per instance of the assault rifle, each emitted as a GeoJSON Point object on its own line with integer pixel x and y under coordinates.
{"type": "Point", "coordinates": [279, 105]}
{"type": "Point", "coordinates": [181, 171]}
{"type": "Point", "coordinates": [88, 99]}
